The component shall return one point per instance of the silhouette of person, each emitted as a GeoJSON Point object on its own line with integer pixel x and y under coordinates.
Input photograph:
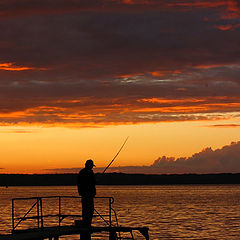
{"type": "Point", "coordinates": [86, 188]}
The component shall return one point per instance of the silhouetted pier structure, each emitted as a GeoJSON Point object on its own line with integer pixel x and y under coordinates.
{"type": "Point", "coordinates": [34, 224]}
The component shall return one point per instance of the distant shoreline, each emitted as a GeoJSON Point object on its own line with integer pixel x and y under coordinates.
{"type": "Point", "coordinates": [118, 179]}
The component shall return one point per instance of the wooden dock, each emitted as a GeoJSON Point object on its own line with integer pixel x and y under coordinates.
{"type": "Point", "coordinates": [56, 232]}
{"type": "Point", "coordinates": [112, 230]}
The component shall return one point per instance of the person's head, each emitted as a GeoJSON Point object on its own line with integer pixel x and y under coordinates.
{"type": "Point", "coordinates": [89, 164]}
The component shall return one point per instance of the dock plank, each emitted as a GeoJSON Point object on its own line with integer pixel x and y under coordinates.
{"type": "Point", "coordinates": [51, 232]}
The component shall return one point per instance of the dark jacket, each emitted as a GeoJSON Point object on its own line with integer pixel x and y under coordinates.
{"type": "Point", "coordinates": [86, 183]}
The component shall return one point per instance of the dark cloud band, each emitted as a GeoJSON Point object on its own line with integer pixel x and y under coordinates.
{"type": "Point", "coordinates": [112, 62]}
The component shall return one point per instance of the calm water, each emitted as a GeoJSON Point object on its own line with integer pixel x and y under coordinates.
{"type": "Point", "coordinates": [170, 212]}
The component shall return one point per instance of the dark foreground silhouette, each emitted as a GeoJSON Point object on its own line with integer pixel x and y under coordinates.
{"type": "Point", "coordinates": [86, 182]}
{"type": "Point", "coordinates": [118, 179]}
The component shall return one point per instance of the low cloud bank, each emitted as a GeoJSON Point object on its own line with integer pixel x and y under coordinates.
{"type": "Point", "coordinates": [223, 160]}
{"type": "Point", "coordinates": [226, 159]}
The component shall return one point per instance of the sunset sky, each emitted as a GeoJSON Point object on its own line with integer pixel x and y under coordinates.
{"type": "Point", "coordinates": [77, 77]}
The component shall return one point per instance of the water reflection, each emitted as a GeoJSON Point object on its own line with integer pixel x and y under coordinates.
{"type": "Point", "coordinates": [171, 212]}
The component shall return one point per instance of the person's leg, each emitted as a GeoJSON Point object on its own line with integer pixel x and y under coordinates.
{"type": "Point", "coordinates": [84, 210]}
{"type": "Point", "coordinates": [91, 210]}
{"type": "Point", "coordinates": [87, 210]}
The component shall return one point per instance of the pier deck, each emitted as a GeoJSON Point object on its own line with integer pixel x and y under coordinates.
{"type": "Point", "coordinates": [31, 210]}
{"type": "Point", "coordinates": [56, 232]}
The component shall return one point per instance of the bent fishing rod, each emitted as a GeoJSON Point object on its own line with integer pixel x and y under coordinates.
{"type": "Point", "coordinates": [115, 156]}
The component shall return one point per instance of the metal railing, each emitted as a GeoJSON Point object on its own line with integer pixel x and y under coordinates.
{"type": "Point", "coordinates": [37, 206]}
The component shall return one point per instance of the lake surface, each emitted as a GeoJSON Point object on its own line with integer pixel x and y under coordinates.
{"type": "Point", "coordinates": [170, 212]}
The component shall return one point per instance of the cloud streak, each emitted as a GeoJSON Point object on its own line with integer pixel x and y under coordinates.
{"type": "Point", "coordinates": [225, 125]}
{"type": "Point", "coordinates": [14, 7]}
{"type": "Point", "coordinates": [13, 67]}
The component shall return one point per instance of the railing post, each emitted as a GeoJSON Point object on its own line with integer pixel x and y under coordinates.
{"type": "Point", "coordinates": [110, 212]}
{"type": "Point", "coordinates": [41, 212]}
{"type": "Point", "coordinates": [38, 212]}
{"type": "Point", "coordinates": [38, 203]}
{"type": "Point", "coordinates": [13, 215]}
{"type": "Point", "coordinates": [59, 210]}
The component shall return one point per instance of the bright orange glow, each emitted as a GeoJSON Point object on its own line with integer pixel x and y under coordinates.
{"type": "Point", "coordinates": [190, 109]}
{"type": "Point", "coordinates": [32, 149]}
{"type": "Point", "coordinates": [13, 114]}
{"type": "Point", "coordinates": [170, 101]}
{"type": "Point", "coordinates": [130, 75]}
{"type": "Point", "coordinates": [225, 27]}
{"type": "Point", "coordinates": [228, 27]}
{"type": "Point", "coordinates": [98, 112]}
{"type": "Point", "coordinates": [13, 67]}
{"type": "Point", "coordinates": [162, 73]}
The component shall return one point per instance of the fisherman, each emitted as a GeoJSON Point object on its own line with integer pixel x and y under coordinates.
{"type": "Point", "coordinates": [86, 188]}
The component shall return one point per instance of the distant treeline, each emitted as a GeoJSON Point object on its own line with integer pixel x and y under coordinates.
{"type": "Point", "coordinates": [118, 179]}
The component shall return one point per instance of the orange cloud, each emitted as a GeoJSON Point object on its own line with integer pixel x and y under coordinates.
{"type": "Point", "coordinates": [227, 27]}
{"type": "Point", "coordinates": [169, 101]}
{"type": "Point", "coordinates": [233, 5]}
{"type": "Point", "coordinates": [92, 58]}
{"type": "Point", "coordinates": [180, 109]}
{"type": "Point", "coordinates": [13, 67]}
{"type": "Point", "coordinates": [72, 6]}
{"type": "Point", "coordinates": [224, 27]}
{"type": "Point", "coordinates": [159, 73]}
{"type": "Point", "coordinates": [130, 75]}
{"type": "Point", "coordinates": [164, 72]}
{"type": "Point", "coordinates": [188, 105]}
{"type": "Point", "coordinates": [98, 112]}
{"type": "Point", "coordinates": [12, 115]}
{"type": "Point", "coordinates": [233, 10]}
{"type": "Point", "coordinates": [230, 5]}
{"type": "Point", "coordinates": [200, 4]}
{"type": "Point", "coordinates": [208, 66]}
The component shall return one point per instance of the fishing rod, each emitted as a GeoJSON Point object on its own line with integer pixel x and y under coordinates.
{"type": "Point", "coordinates": [115, 155]}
